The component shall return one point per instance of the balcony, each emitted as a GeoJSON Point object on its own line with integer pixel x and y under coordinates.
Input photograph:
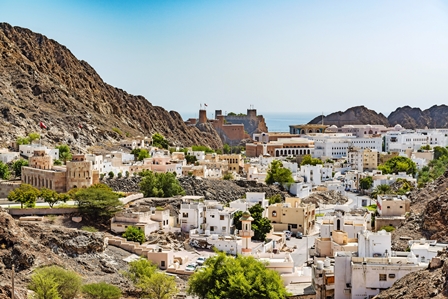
{"type": "Point", "coordinates": [246, 233]}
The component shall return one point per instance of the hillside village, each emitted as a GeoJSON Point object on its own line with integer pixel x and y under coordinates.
{"type": "Point", "coordinates": [320, 205]}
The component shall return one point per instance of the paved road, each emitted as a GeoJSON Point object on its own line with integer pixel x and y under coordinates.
{"type": "Point", "coordinates": [299, 255]}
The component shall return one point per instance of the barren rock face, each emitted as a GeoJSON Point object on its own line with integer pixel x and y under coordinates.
{"type": "Point", "coordinates": [41, 80]}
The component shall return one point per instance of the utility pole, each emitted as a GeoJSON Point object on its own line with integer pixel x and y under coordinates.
{"type": "Point", "coordinates": [12, 276]}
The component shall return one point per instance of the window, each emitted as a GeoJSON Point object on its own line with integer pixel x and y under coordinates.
{"type": "Point", "coordinates": [162, 264]}
{"type": "Point", "coordinates": [185, 215]}
{"type": "Point", "coordinates": [401, 207]}
{"type": "Point", "coordinates": [388, 207]}
{"type": "Point", "coordinates": [383, 277]}
{"type": "Point", "coordinates": [221, 217]}
{"type": "Point", "coordinates": [274, 214]}
{"type": "Point", "coordinates": [392, 275]}
{"type": "Point", "coordinates": [213, 216]}
{"type": "Point", "coordinates": [223, 228]}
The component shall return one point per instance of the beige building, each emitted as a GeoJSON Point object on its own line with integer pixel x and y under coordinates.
{"type": "Point", "coordinates": [41, 173]}
{"type": "Point", "coordinates": [235, 162]}
{"type": "Point", "coordinates": [392, 210]}
{"type": "Point", "coordinates": [362, 159]}
{"type": "Point", "coordinates": [292, 215]}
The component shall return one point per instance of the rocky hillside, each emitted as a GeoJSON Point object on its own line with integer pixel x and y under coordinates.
{"type": "Point", "coordinates": [41, 80]}
{"type": "Point", "coordinates": [354, 116]}
{"type": "Point", "coordinates": [412, 118]}
{"type": "Point", "coordinates": [409, 118]}
{"type": "Point", "coordinates": [31, 245]}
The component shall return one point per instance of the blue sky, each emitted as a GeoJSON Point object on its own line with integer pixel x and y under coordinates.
{"type": "Point", "coordinates": [280, 56]}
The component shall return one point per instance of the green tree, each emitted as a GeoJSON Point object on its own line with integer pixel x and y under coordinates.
{"type": "Point", "coordinates": [278, 174]}
{"type": "Point", "coordinates": [439, 152]}
{"type": "Point", "coordinates": [276, 198]}
{"type": "Point", "coordinates": [57, 162]}
{"type": "Point", "coordinates": [366, 183]}
{"type": "Point", "coordinates": [308, 160]}
{"type": "Point", "coordinates": [398, 164]}
{"type": "Point", "coordinates": [134, 234]}
{"type": "Point", "coordinates": [101, 290]}
{"type": "Point", "coordinates": [111, 174]}
{"type": "Point", "coordinates": [17, 166]}
{"type": "Point", "coordinates": [4, 171]}
{"type": "Point", "coordinates": [227, 177]}
{"type": "Point", "coordinates": [68, 283]}
{"type": "Point", "coordinates": [25, 194]}
{"type": "Point", "coordinates": [381, 190]}
{"type": "Point", "coordinates": [23, 140]}
{"type": "Point", "coordinates": [159, 141]}
{"type": "Point", "coordinates": [158, 286]}
{"type": "Point", "coordinates": [139, 269]}
{"type": "Point", "coordinates": [64, 153]}
{"type": "Point", "coordinates": [202, 148]}
{"type": "Point", "coordinates": [126, 174]}
{"type": "Point", "coordinates": [143, 154]}
{"type": "Point", "coordinates": [260, 225]}
{"type": "Point", "coordinates": [33, 136]}
{"type": "Point", "coordinates": [98, 202]}
{"type": "Point", "coordinates": [240, 277]}
{"type": "Point", "coordinates": [425, 147]}
{"type": "Point", "coordinates": [49, 196]}
{"type": "Point", "coordinates": [120, 175]}
{"type": "Point", "coordinates": [160, 184]}
{"type": "Point", "coordinates": [226, 149]}
{"type": "Point", "coordinates": [191, 159]}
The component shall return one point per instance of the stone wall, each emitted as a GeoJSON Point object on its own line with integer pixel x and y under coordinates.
{"type": "Point", "coordinates": [41, 212]}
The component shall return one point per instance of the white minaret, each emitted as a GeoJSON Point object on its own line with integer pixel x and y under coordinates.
{"type": "Point", "coordinates": [246, 232]}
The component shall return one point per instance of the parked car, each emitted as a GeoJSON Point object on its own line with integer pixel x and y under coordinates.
{"type": "Point", "coordinates": [287, 234]}
{"type": "Point", "coordinates": [299, 235]}
{"type": "Point", "coordinates": [191, 267]}
{"type": "Point", "coordinates": [200, 260]}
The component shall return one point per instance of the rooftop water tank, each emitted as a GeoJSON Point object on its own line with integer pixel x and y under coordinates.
{"type": "Point", "coordinates": [327, 262]}
{"type": "Point", "coordinates": [320, 265]}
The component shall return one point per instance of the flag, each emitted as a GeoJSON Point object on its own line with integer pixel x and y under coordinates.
{"type": "Point", "coordinates": [205, 105]}
{"type": "Point", "coordinates": [42, 125]}
{"type": "Point", "coordinates": [80, 125]}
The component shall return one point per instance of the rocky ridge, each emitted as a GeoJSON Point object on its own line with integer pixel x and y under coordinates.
{"type": "Point", "coordinates": [409, 118]}
{"type": "Point", "coordinates": [41, 80]}
{"type": "Point", "coordinates": [28, 246]}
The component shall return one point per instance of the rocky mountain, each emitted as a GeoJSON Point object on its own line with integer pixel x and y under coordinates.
{"type": "Point", "coordinates": [41, 80]}
{"type": "Point", "coordinates": [413, 118]}
{"type": "Point", "coordinates": [409, 118]}
{"type": "Point", "coordinates": [354, 116]}
{"type": "Point", "coordinates": [428, 219]}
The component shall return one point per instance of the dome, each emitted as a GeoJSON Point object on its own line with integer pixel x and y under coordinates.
{"type": "Point", "coordinates": [333, 127]}
{"type": "Point", "coordinates": [246, 217]}
{"type": "Point", "coordinates": [398, 127]}
{"type": "Point", "coordinates": [350, 126]}
{"type": "Point", "coordinates": [369, 126]}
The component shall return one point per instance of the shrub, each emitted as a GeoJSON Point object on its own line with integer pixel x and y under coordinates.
{"type": "Point", "coordinates": [101, 290]}
{"type": "Point", "coordinates": [227, 177]}
{"type": "Point", "coordinates": [90, 229]}
{"type": "Point", "coordinates": [126, 174]}
{"type": "Point", "coordinates": [117, 130]}
{"type": "Point", "coordinates": [388, 228]}
{"type": "Point", "coordinates": [111, 174]}
{"type": "Point", "coordinates": [119, 175]}
{"type": "Point", "coordinates": [134, 234]}
{"type": "Point", "coordinates": [67, 283]}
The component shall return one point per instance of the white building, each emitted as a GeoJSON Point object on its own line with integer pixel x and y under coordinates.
{"type": "Point", "coordinates": [316, 174]}
{"type": "Point", "coordinates": [252, 198]}
{"type": "Point", "coordinates": [352, 224]}
{"type": "Point", "coordinates": [7, 156]}
{"type": "Point", "coordinates": [191, 213]}
{"type": "Point", "coordinates": [218, 219]}
{"type": "Point", "coordinates": [300, 189]}
{"type": "Point", "coordinates": [97, 162]}
{"type": "Point", "coordinates": [27, 150]}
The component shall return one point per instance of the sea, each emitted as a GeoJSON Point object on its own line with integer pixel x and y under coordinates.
{"type": "Point", "coordinates": [276, 122]}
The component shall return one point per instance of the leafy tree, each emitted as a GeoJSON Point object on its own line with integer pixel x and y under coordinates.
{"type": "Point", "coordinates": [17, 166]}
{"type": "Point", "coordinates": [278, 174]}
{"type": "Point", "coordinates": [134, 234]}
{"type": "Point", "coordinates": [33, 136]}
{"type": "Point", "coordinates": [139, 269]}
{"type": "Point", "coordinates": [439, 152]}
{"type": "Point", "coordinates": [101, 290]}
{"type": "Point", "coordinates": [143, 154]}
{"type": "Point", "coordinates": [239, 277]}
{"type": "Point", "coordinates": [57, 162]}
{"type": "Point", "coordinates": [388, 228]}
{"type": "Point", "coordinates": [308, 160]}
{"type": "Point", "coordinates": [260, 225]}
{"type": "Point", "coordinates": [226, 149]}
{"type": "Point", "coordinates": [4, 171]}
{"type": "Point", "coordinates": [64, 153]}
{"type": "Point", "coordinates": [381, 189]}
{"type": "Point", "coordinates": [126, 174]}
{"type": "Point", "coordinates": [425, 147]}
{"type": "Point", "coordinates": [49, 196]}
{"type": "Point", "coordinates": [68, 283]}
{"type": "Point", "coordinates": [160, 184]}
{"type": "Point", "coordinates": [119, 175]}
{"type": "Point", "coordinates": [25, 194]}
{"type": "Point", "coordinates": [23, 140]}
{"type": "Point", "coordinates": [111, 174]}
{"type": "Point", "coordinates": [276, 198]}
{"type": "Point", "coordinates": [158, 286]}
{"type": "Point", "coordinates": [159, 141]}
{"type": "Point", "coordinates": [398, 164]}
{"type": "Point", "coordinates": [98, 202]}
{"type": "Point", "coordinates": [202, 148]}
{"type": "Point", "coordinates": [191, 159]}
{"type": "Point", "coordinates": [366, 183]}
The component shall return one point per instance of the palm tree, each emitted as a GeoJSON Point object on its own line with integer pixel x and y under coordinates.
{"type": "Point", "coordinates": [381, 189]}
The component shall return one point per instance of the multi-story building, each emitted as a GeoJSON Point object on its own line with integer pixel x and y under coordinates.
{"type": "Point", "coordinates": [252, 198]}
{"type": "Point", "coordinates": [218, 219]}
{"type": "Point", "coordinates": [292, 215]}
{"type": "Point", "coordinates": [316, 174]}
{"type": "Point", "coordinates": [191, 213]}
{"type": "Point", "coordinates": [362, 159]}
{"type": "Point", "coordinates": [235, 162]}
{"type": "Point", "coordinates": [392, 210]}
{"type": "Point", "coordinates": [41, 173]}
{"type": "Point", "coordinates": [282, 147]}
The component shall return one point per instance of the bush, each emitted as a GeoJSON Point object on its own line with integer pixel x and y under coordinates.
{"type": "Point", "coordinates": [101, 290]}
{"type": "Point", "coordinates": [118, 131]}
{"type": "Point", "coordinates": [228, 177]}
{"type": "Point", "coordinates": [67, 283]}
{"type": "Point", "coordinates": [371, 208]}
{"type": "Point", "coordinates": [134, 234]}
{"type": "Point", "coordinates": [90, 229]}
{"type": "Point", "coordinates": [119, 175]}
{"type": "Point", "coordinates": [111, 174]}
{"type": "Point", "coordinates": [388, 228]}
